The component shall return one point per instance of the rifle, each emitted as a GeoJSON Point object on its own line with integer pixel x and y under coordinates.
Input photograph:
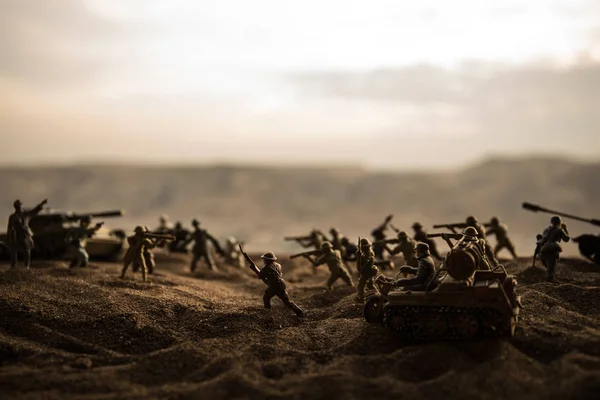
{"type": "Point", "coordinates": [306, 254]}
{"type": "Point", "coordinates": [445, 235]}
{"type": "Point", "coordinates": [159, 237]}
{"type": "Point", "coordinates": [251, 263]}
{"type": "Point", "coordinates": [459, 225]}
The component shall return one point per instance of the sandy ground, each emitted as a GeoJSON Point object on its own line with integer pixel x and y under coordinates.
{"type": "Point", "coordinates": [93, 336]}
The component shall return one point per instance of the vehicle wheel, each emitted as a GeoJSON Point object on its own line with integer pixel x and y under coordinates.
{"type": "Point", "coordinates": [373, 309]}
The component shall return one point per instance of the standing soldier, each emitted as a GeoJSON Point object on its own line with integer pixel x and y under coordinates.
{"type": "Point", "coordinates": [350, 249]}
{"type": "Point", "coordinates": [407, 247]}
{"type": "Point", "coordinates": [550, 244]}
{"type": "Point", "coordinates": [148, 256]}
{"type": "Point", "coordinates": [333, 259]}
{"type": "Point", "coordinates": [181, 234]}
{"type": "Point", "coordinates": [481, 234]}
{"type": "Point", "coordinates": [503, 241]}
{"type": "Point", "coordinates": [367, 270]}
{"type": "Point", "coordinates": [139, 244]}
{"type": "Point", "coordinates": [19, 237]}
{"type": "Point", "coordinates": [76, 237]}
{"type": "Point", "coordinates": [379, 235]}
{"type": "Point", "coordinates": [421, 236]}
{"type": "Point", "coordinates": [424, 272]}
{"type": "Point", "coordinates": [271, 274]}
{"type": "Point", "coordinates": [200, 237]}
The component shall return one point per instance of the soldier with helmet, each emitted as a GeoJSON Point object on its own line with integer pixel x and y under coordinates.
{"type": "Point", "coordinates": [201, 250]}
{"type": "Point", "coordinates": [421, 236]}
{"type": "Point", "coordinates": [333, 259]}
{"type": "Point", "coordinates": [407, 247]}
{"type": "Point", "coordinates": [336, 240]}
{"type": "Point", "coordinates": [272, 275]}
{"type": "Point", "coordinates": [139, 244]}
{"type": "Point", "coordinates": [367, 270]}
{"type": "Point", "coordinates": [165, 225]}
{"type": "Point", "coordinates": [481, 234]}
{"type": "Point", "coordinates": [503, 241]}
{"type": "Point", "coordinates": [549, 245]}
{"type": "Point", "coordinates": [469, 238]}
{"type": "Point", "coordinates": [76, 237]}
{"type": "Point", "coordinates": [19, 237]}
{"type": "Point", "coordinates": [424, 273]}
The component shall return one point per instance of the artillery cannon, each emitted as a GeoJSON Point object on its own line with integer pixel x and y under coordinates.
{"type": "Point", "coordinates": [462, 302]}
{"type": "Point", "coordinates": [51, 230]}
{"type": "Point", "coordinates": [588, 244]}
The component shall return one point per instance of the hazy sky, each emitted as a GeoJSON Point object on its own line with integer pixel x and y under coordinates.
{"type": "Point", "coordinates": [386, 83]}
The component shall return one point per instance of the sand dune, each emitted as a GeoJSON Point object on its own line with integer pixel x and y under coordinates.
{"type": "Point", "coordinates": [91, 336]}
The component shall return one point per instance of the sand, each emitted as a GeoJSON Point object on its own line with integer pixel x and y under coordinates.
{"type": "Point", "coordinates": [92, 336]}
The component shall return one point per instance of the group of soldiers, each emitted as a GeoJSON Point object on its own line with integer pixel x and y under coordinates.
{"type": "Point", "coordinates": [336, 252]}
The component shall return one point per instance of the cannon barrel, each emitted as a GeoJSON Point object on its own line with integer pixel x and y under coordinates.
{"type": "Point", "coordinates": [288, 238]}
{"type": "Point", "coordinates": [449, 226]}
{"type": "Point", "coordinates": [101, 214]}
{"type": "Point", "coordinates": [537, 208]}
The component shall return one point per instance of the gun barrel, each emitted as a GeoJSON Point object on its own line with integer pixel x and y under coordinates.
{"type": "Point", "coordinates": [161, 236]}
{"type": "Point", "coordinates": [112, 213]}
{"type": "Point", "coordinates": [449, 226]}
{"type": "Point", "coordinates": [288, 238]}
{"type": "Point", "coordinates": [305, 253]}
{"type": "Point", "coordinates": [536, 208]}
{"type": "Point", "coordinates": [434, 235]}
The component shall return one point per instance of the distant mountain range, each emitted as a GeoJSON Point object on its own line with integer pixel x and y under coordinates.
{"type": "Point", "coordinates": [262, 204]}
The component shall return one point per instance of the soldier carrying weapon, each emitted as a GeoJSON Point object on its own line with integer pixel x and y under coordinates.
{"type": "Point", "coordinates": [76, 237]}
{"type": "Point", "coordinates": [271, 274]}
{"type": "Point", "coordinates": [314, 239]}
{"type": "Point", "coordinates": [366, 267]}
{"type": "Point", "coordinates": [501, 232]}
{"type": "Point", "coordinates": [549, 245]}
{"type": "Point", "coordinates": [421, 236]}
{"type": "Point", "coordinates": [468, 238]}
{"type": "Point", "coordinates": [333, 259]}
{"type": "Point", "coordinates": [404, 245]}
{"type": "Point", "coordinates": [19, 237]}
{"type": "Point", "coordinates": [379, 235]}
{"type": "Point", "coordinates": [140, 242]}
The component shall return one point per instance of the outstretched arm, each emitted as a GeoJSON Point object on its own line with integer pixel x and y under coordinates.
{"type": "Point", "coordinates": [215, 243]}
{"type": "Point", "coordinates": [36, 209]}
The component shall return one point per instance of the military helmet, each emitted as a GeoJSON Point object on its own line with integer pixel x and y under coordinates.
{"type": "Point", "coordinates": [417, 225]}
{"type": "Point", "coordinates": [495, 221]}
{"type": "Point", "coordinates": [17, 203]}
{"type": "Point", "coordinates": [195, 222]}
{"type": "Point", "coordinates": [139, 229]}
{"type": "Point", "coordinates": [364, 242]}
{"type": "Point", "coordinates": [178, 225]}
{"type": "Point", "coordinates": [555, 220]}
{"type": "Point", "coordinates": [326, 245]}
{"type": "Point", "coordinates": [269, 255]}
{"type": "Point", "coordinates": [402, 234]}
{"type": "Point", "coordinates": [334, 231]}
{"type": "Point", "coordinates": [422, 248]}
{"type": "Point", "coordinates": [470, 232]}
{"type": "Point", "coordinates": [471, 219]}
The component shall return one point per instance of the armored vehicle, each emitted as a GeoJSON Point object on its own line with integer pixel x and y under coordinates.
{"type": "Point", "coordinates": [50, 232]}
{"type": "Point", "coordinates": [589, 244]}
{"type": "Point", "coordinates": [462, 303]}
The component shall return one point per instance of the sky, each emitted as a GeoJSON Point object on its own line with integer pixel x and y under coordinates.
{"type": "Point", "coordinates": [381, 83]}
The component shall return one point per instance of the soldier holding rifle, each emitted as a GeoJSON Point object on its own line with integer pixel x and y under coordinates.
{"type": "Point", "coordinates": [421, 236]}
{"type": "Point", "coordinates": [271, 274]}
{"type": "Point", "coordinates": [328, 255]}
{"type": "Point", "coordinates": [379, 235]}
{"type": "Point", "coordinates": [471, 221]}
{"type": "Point", "coordinates": [140, 242]}
{"type": "Point", "coordinates": [76, 237]}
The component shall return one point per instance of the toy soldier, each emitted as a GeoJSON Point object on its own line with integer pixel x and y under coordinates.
{"type": "Point", "coordinates": [503, 241]}
{"type": "Point", "coordinates": [421, 236]}
{"type": "Point", "coordinates": [139, 244]}
{"type": "Point", "coordinates": [148, 256]}
{"type": "Point", "coordinates": [550, 248]}
{"type": "Point", "coordinates": [271, 274]}
{"type": "Point", "coordinates": [481, 234]}
{"type": "Point", "coordinates": [407, 247]}
{"type": "Point", "coordinates": [366, 267]}
{"type": "Point", "coordinates": [336, 240]}
{"type": "Point", "coordinates": [232, 252]}
{"type": "Point", "coordinates": [379, 235]}
{"type": "Point", "coordinates": [333, 259]}
{"type": "Point", "coordinates": [76, 237]}
{"type": "Point", "coordinates": [19, 237]}
{"type": "Point", "coordinates": [350, 249]}
{"type": "Point", "coordinates": [424, 272]}
{"type": "Point", "coordinates": [164, 226]}
{"type": "Point", "coordinates": [469, 238]}
{"type": "Point", "coordinates": [200, 237]}
{"type": "Point", "coordinates": [181, 234]}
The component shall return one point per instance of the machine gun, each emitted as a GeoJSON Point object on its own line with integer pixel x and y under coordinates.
{"type": "Point", "coordinates": [306, 254]}
{"type": "Point", "coordinates": [536, 208]}
{"type": "Point", "coordinates": [296, 238]}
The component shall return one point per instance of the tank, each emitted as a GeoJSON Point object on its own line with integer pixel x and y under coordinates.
{"type": "Point", "coordinates": [467, 303]}
{"type": "Point", "coordinates": [588, 244]}
{"type": "Point", "coordinates": [50, 229]}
